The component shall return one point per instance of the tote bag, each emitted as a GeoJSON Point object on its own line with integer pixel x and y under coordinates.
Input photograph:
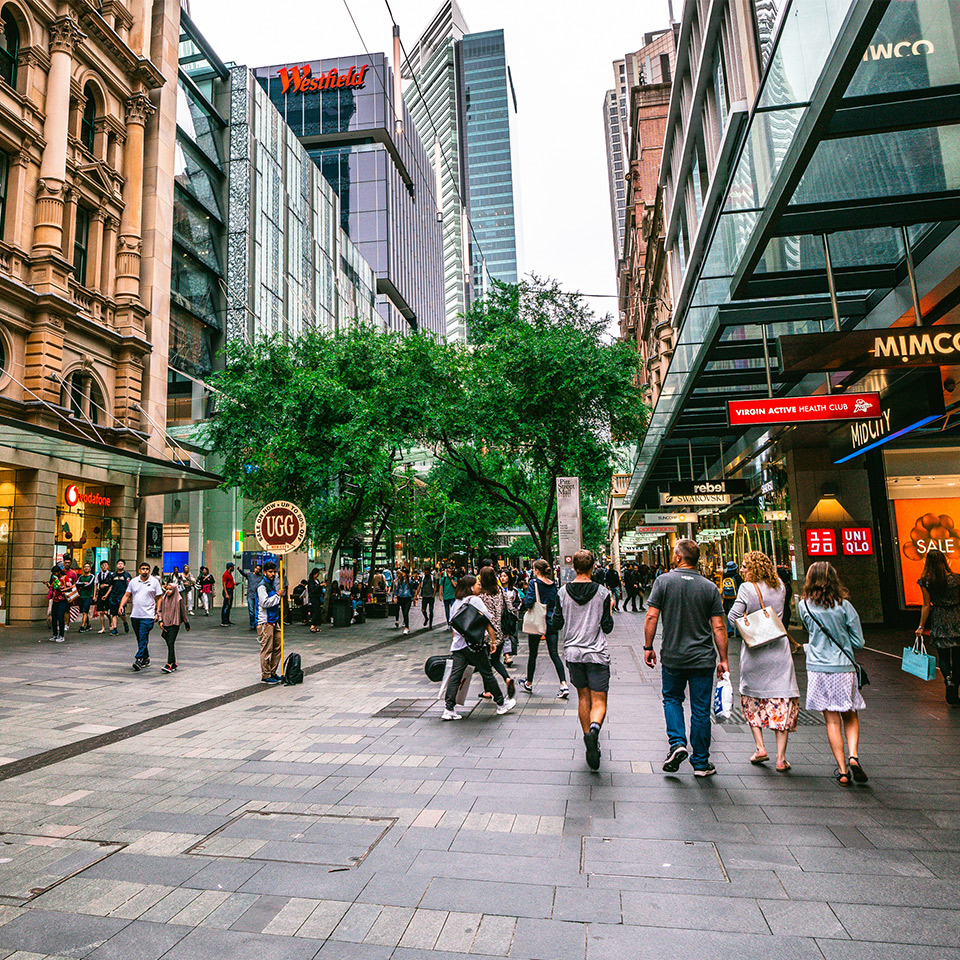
{"type": "Point", "coordinates": [761, 627]}
{"type": "Point", "coordinates": [535, 619]}
{"type": "Point", "coordinates": [918, 663]}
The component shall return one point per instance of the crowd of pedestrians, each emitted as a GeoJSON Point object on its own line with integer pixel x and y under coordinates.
{"type": "Point", "coordinates": [489, 610]}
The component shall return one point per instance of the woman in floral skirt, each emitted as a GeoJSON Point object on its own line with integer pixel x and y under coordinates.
{"type": "Point", "coordinates": [769, 695]}
{"type": "Point", "coordinates": [835, 632]}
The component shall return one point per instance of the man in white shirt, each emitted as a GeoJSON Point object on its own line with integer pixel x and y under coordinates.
{"type": "Point", "coordinates": [145, 592]}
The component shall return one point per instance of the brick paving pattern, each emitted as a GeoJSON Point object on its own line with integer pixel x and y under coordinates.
{"type": "Point", "coordinates": [340, 819]}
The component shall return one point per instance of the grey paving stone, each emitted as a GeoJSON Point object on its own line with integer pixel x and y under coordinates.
{"type": "Point", "coordinates": [886, 924]}
{"type": "Point", "coordinates": [63, 934]}
{"type": "Point", "coordinates": [549, 940]}
{"type": "Point", "coordinates": [256, 917]}
{"type": "Point", "coordinates": [235, 945]}
{"type": "Point", "coordinates": [223, 874]}
{"type": "Point", "coordinates": [141, 941]}
{"type": "Point", "coordinates": [141, 868]}
{"type": "Point", "coordinates": [395, 889]}
{"type": "Point", "coordinates": [587, 906]}
{"type": "Point", "coordinates": [500, 897]}
{"type": "Point", "coordinates": [346, 950]}
{"type": "Point", "coordinates": [802, 918]}
{"type": "Point", "coordinates": [305, 880]}
{"type": "Point", "coordinates": [693, 912]}
{"type": "Point", "coordinates": [846, 950]}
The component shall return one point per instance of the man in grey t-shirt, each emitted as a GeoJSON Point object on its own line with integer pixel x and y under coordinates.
{"type": "Point", "coordinates": [693, 624]}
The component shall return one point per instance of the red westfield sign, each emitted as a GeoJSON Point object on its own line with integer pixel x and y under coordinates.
{"type": "Point", "coordinates": [298, 79]}
{"type": "Point", "coordinates": [844, 406]}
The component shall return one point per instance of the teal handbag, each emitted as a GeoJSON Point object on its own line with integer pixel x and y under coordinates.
{"type": "Point", "coordinates": [918, 663]}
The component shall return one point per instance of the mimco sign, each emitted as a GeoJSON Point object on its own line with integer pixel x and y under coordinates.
{"type": "Point", "coordinates": [888, 349]}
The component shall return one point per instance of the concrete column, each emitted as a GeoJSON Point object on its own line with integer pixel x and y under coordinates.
{"type": "Point", "coordinates": [139, 110]}
{"type": "Point", "coordinates": [65, 35]}
{"type": "Point", "coordinates": [95, 251]}
{"type": "Point", "coordinates": [14, 229]}
{"type": "Point", "coordinates": [34, 531]}
{"type": "Point", "coordinates": [44, 357]}
{"type": "Point", "coordinates": [108, 266]}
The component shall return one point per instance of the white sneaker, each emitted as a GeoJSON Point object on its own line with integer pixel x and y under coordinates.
{"type": "Point", "coordinates": [450, 715]}
{"type": "Point", "coordinates": [59, 639]}
{"type": "Point", "coordinates": [506, 707]}
{"type": "Point", "coordinates": [405, 631]}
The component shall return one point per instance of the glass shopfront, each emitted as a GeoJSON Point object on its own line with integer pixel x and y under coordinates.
{"type": "Point", "coordinates": [85, 531]}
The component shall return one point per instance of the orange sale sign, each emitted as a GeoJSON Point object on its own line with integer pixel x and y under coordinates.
{"type": "Point", "coordinates": [923, 525]}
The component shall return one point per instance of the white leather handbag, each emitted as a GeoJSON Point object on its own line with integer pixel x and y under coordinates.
{"type": "Point", "coordinates": [761, 627]}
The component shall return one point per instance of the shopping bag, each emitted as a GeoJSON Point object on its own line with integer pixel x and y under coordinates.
{"type": "Point", "coordinates": [723, 700]}
{"type": "Point", "coordinates": [535, 619]}
{"type": "Point", "coordinates": [918, 663]}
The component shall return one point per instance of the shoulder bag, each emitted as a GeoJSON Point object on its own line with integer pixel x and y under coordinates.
{"type": "Point", "coordinates": [862, 679]}
{"type": "Point", "coordinates": [535, 619]}
{"type": "Point", "coordinates": [471, 624]}
{"type": "Point", "coordinates": [762, 626]}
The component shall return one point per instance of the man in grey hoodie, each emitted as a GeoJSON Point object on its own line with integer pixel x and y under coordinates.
{"type": "Point", "coordinates": [584, 617]}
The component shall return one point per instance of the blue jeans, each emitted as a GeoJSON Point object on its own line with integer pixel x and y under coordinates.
{"type": "Point", "coordinates": [675, 683]}
{"type": "Point", "coordinates": [141, 630]}
{"type": "Point", "coordinates": [252, 608]}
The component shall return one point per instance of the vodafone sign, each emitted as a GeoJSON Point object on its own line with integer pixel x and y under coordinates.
{"type": "Point", "coordinates": [73, 496]}
{"type": "Point", "coordinates": [280, 527]}
{"type": "Point", "coordinates": [846, 406]}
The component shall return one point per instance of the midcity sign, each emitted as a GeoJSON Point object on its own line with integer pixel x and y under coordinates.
{"type": "Point", "coordinates": [888, 349]}
{"type": "Point", "coordinates": [789, 410]}
{"type": "Point", "coordinates": [298, 79]}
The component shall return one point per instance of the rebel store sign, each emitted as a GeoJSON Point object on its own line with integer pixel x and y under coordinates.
{"type": "Point", "coordinates": [846, 406]}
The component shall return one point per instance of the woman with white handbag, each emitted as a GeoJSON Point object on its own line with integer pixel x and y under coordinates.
{"type": "Point", "coordinates": [539, 603]}
{"type": "Point", "coordinates": [769, 694]}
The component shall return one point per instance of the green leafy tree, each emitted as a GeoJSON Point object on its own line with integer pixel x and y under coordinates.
{"type": "Point", "coordinates": [317, 420]}
{"type": "Point", "coordinates": [540, 393]}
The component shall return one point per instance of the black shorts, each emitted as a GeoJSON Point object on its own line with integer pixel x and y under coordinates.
{"type": "Point", "coordinates": [85, 604]}
{"type": "Point", "coordinates": [592, 676]}
{"type": "Point", "coordinates": [114, 608]}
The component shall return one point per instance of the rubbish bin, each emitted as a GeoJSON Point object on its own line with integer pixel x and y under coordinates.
{"type": "Point", "coordinates": [342, 613]}
{"type": "Point", "coordinates": [377, 608]}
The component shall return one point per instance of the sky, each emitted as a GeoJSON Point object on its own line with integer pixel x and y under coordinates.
{"type": "Point", "coordinates": [561, 56]}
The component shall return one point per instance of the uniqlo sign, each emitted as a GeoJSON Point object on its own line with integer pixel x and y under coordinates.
{"type": "Point", "coordinates": [841, 406]}
{"type": "Point", "coordinates": [822, 543]}
{"type": "Point", "coordinates": [857, 541]}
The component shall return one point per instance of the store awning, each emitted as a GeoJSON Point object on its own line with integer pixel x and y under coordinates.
{"type": "Point", "coordinates": [151, 474]}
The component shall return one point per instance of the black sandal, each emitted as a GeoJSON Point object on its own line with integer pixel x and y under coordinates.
{"type": "Point", "coordinates": [858, 772]}
{"type": "Point", "coordinates": [842, 778]}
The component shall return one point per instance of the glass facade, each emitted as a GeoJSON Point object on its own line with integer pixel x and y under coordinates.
{"type": "Point", "coordinates": [383, 183]}
{"type": "Point", "coordinates": [488, 97]}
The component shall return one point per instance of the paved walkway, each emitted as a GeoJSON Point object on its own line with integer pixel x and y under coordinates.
{"type": "Point", "coordinates": [340, 819]}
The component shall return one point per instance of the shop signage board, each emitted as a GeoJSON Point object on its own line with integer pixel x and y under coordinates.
{"type": "Point", "coordinates": [908, 406]}
{"type": "Point", "coordinates": [821, 542]}
{"type": "Point", "coordinates": [298, 79]}
{"type": "Point", "coordinates": [887, 349]}
{"type": "Point", "coordinates": [695, 500]}
{"type": "Point", "coordinates": [154, 540]}
{"type": "Point", "coordinates": [735, 488]}
{"type": "Point", "coordinates": [73, 496]}
{"type": "Point", "coordinates": [569, 526]}
{"type": "Point", "coordinates": [793, 410]}
{"type": "Point", "coordinates": [280, 527]}
{"type": "Point", "coordinates": [923, 525]}
{"type": "Point", "coordinates": [661, 530]}
{"type": "Point", "coordinates": [670, 517]}
{"type": "Point", "coordinates": [772, 515]}
{"type": "Point", "coordinates": [857, 541]}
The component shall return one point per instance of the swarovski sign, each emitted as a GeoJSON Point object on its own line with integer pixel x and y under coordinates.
{"type": "Point", "coordinates": [888, 349]}
{"type": "Point", "coordinates": [694, 499]}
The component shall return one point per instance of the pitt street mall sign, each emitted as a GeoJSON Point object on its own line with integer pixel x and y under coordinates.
{"type": "Point", "coordinates": [789, 410]}
{"type": "Point", "coordinates": [298, 79]}
{"type": "Point", "coordinates": [889, 349]}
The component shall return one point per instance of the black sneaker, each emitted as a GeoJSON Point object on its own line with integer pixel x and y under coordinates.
{"type": "Point", "coordinates": [137, 665]}
{"type": "Point", "coordinates": [953, 695]}
{"type": "Point", "coordinates": [271, 680]}
{"type": "Point", "coordinates": [591, 740]}
{"type": "Point", "coordinates": [145, 661]}
{"type": "Point", "coordinates": [126, 627]}
{"type": "Point", "coordinates": [708, 771]}
{"type": "Point", "coordinates": [113, 633]}
{"type": "Point", "coordinates": [675, 757]}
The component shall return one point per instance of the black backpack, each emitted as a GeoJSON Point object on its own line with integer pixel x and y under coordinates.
{"type": "Point", "coordinates": [292, 670]}
{"type": "Point", "coordinates": [435, 667]}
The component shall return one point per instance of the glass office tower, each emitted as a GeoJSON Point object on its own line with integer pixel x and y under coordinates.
{"type": "Point", "coordinates": [342, 111]}
{"type": "Point", "coordinates": [460, 95]}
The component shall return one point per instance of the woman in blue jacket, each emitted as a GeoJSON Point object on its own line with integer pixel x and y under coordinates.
{"type": "Point", "coordinates": [542, 586]}
{"type": "Point", "coordinates": [832, 680]}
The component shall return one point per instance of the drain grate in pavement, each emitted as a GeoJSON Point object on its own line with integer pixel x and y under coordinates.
{"type": "Point", "coordinates": [673, 859]}
{"type": "Point", "coordinates": [806, 718]}
{"type": "Point", "coordinates": [32, 865]}
{"type": "Point", "coordinates": [411, 708]}
{"type": "Point", "coordinates": [338, 841]}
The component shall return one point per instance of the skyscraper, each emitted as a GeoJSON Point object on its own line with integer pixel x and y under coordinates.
{"type": "Point", "coordinates": [461, 94]}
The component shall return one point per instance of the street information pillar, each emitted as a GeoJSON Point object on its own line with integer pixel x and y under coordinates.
{"type": "Point", "coordinates": [569, 526]}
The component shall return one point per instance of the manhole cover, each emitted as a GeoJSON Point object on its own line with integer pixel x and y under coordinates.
{"type": "Point", "coordinates": [31, 865]}
{"type": "Point", "coordinates": [411, 708]}
{"type": "Point", "coordinates": [290, 837]}
{"type": "Point", "coordinates": [805, 719]}
{"type": "Point", "coordinates": [676, 859]}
